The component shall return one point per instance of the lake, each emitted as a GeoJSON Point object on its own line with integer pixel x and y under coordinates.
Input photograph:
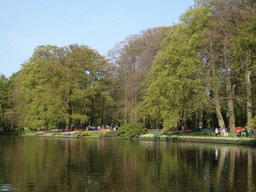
{"type": "Point", "coordinates": [62, 164]}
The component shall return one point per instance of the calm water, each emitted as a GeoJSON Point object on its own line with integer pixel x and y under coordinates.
{"type": "Point", "coordinates": [47, 164]}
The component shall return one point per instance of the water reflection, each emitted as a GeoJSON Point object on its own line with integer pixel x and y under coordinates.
{"type": "Point", "coordinates": [46, 164]}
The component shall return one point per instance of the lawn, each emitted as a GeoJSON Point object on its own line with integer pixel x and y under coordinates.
{"type": "Point", "coordinates": [200, 136]}
{"type": "Point", "coordinates": [203, 136]}
{"type": "Point", "coordinates": [205, 133]}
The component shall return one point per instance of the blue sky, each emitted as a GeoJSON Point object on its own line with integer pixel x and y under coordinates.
{"type": "Point", "coordinates": [99, 24]}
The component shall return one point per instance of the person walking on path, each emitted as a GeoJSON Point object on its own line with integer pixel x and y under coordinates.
{"type": "Point", "coordinates": [216, 131]}
{"type": "Point", "coordinates": [226, 132]}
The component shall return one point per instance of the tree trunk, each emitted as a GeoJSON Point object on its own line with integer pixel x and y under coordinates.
{"type": "Point", "coordinates": [216, 99]}
{"type": "Point", "coordinates": [126, 102]}
{"type": "Point", "coordinates": [218, 111]}
{"type": "Point", "coordinates": [230, 95]}
{"type": "Point", "coordinates": [102, 113]}
{"type": "Point", "coordinates": [248, 92]}
{"type": "Point", "coordinates": [230, 106]}
{"type": "Point", "coordinates": [69, 113]}
{"type": "Point", "coordinates": [67, 126]}
{"type": "Point", "coordinates": [229, 90]}
{"type": "Point", "coordinates": [200, 116]}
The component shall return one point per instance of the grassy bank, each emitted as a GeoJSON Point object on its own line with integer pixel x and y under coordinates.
{"type": "Point", "coordinates": [194, 136]}
{"type": "Point", "coordinates": [82, 133]}
{"type": "Point", "coordinates": [200, 136]}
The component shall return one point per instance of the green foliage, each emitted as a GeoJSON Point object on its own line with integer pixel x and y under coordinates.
{"type": "Point", "coordinates": [6, 86]}
{"type": "Point", "coordinates": [80, 133]}
{"type": "Point", "coordinates": [3, 97]}
{"type": "Point", "coordinates": [131, 130]}
{"type": "Point", "coordinates": [209, 133]}
{"type": "Point", "coordinates": [108, 134]}
{"type": "Point", "coordinates": [83, 133]}
{"type": "Point", "coordinates": [88, 133]}
{"type": "Point", "coordinates": [252, 124]}
{"type": "Point", "coordinates": [175, 92]}
{"type": "Point", "coordinates": [60, 84]}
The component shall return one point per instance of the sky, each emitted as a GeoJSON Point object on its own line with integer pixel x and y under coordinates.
{"type": "Point", "coordinates": [99, 24]}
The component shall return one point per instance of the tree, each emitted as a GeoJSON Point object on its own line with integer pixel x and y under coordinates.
{"type": "Point", "coordinates": [4, 99]}
{"type": "Point", "coordinates": [15, 114]}
{"type": "Point", "coordinates": [244, 55]}
{"type": "Point", "coordinates": [58, 84]}
{"type": "Point", "coordinates": [199, 57]}
{"type": "Point", "coordinates": [131, 61]}
{"type": "Point", "coordinates": [175, 91]}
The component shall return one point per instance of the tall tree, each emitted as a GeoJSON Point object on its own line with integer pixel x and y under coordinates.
{"type": "Point", "coordinates": [58, 84]}
{"type": "Point", "coordinates": [131, 61]}
{"type": "Point", "coordinates": [4, 99]}
{"type": "Point", "coordinates": [175, 90]}
{"type": "Point", "coordinates": [244, 55]}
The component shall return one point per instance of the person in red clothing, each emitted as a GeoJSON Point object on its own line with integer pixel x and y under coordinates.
{"type": "Point", "coordinates": [238, 133]}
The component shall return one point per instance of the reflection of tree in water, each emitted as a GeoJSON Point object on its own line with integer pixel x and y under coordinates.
{"type": "Point", "coordinates": [130, 165]}
{"type": "Point", "coordinates": [229, 165]}
{"type": "Point", "coordinates": [239, 162]}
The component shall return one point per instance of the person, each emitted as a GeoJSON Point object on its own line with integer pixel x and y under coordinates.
{"type": "Point", "coordinates": [160, 125]}
{"type": "Point", "coordinates": [223, 132]}
{"type": "Point", "coordinates": [238, 133]}
{"type": "Point", "coordinates": [216, 131]}
{"type": "Point", "coordinates": [226, 132]}
{"type": "Point", "coordinates": [246, 132]}
{"type": "Point", "coordinates": [251, 132]}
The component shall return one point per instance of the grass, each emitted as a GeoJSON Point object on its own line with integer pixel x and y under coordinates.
{"type": "Point", "coordinates": [14, 132]}
{"type": "Point", "coordinates": [205, 133]}
{"type": "Point", "coordinates": [33, 133]}
{"type": "Point", "coordinates": [28, 133]}
{"type": "Point", "coordinates": [200, 136]}
{"type": "Point", "coordinates": [108, 134]}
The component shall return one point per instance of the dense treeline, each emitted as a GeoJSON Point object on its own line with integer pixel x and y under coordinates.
{"type": "Point", "coordinates": [199, 72]}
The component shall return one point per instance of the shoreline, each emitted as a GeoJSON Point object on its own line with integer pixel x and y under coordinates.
{"type": "Point", "coordinates": [220, 140]}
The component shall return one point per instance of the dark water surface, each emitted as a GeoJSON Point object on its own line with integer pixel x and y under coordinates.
{"type": "Point", "coordinates": [58, 164]}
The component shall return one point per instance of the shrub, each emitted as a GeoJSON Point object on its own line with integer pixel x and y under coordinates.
{"type": "Point", "coordinates": [87, 133]}
{"type": "Point", "coordinates": [80, 133]}
{"type": "Point", "coordinates": [83, 133]}
{"type": "Point", "coordinates": [108, 134]}
{"type": "Point", "coordinates": [131, 130]}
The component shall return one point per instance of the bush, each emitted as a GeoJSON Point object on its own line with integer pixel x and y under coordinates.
{"type": "Point", "coordinates": [131, 130]}
{"type": "Point", "coordinates": [88, 133]}
{"type": "Point", "coordinates": [108, 134]}
{"type": "Point", "coordinates": [80, 133]}
{"type": "Point", "coordinates": [83, 133]}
